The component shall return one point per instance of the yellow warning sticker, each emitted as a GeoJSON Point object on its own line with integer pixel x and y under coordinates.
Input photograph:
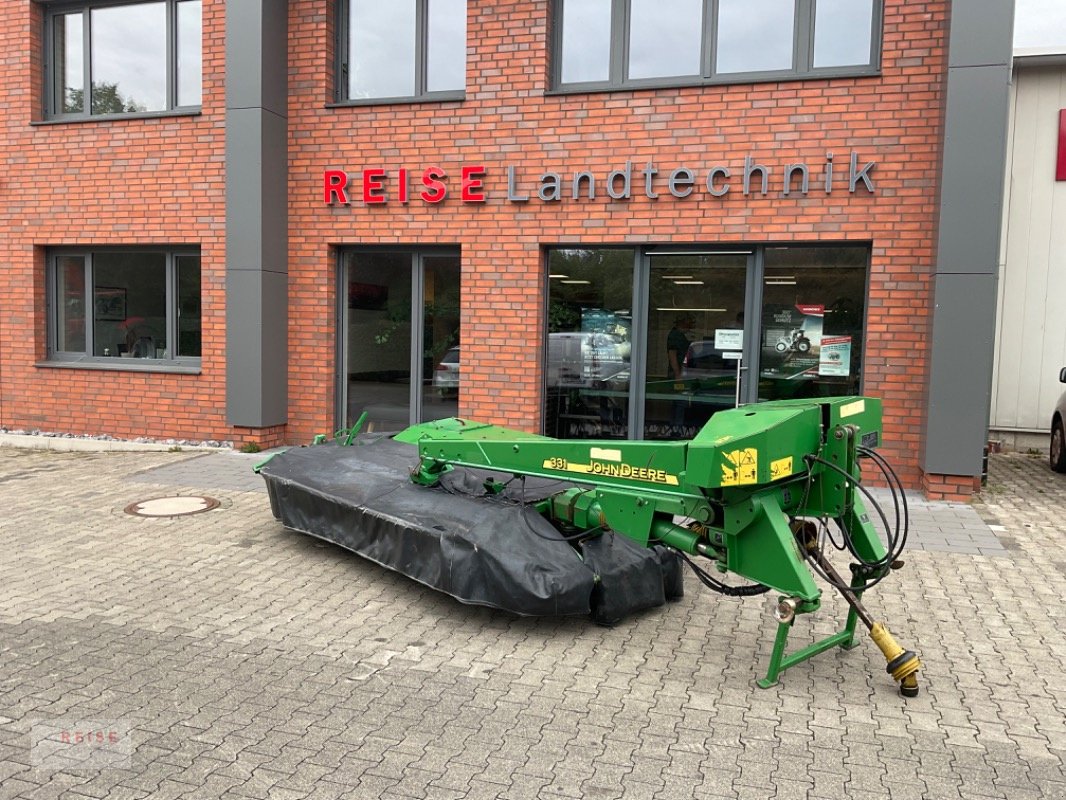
{"type": "Point", "coordinates": [741, 467]}
{"type": "Point", "coordinates": [608, 470]}
{"type": "Point", "coordinates": [781, 468]}
{"type": "Point", "coordinates": [851, 409]}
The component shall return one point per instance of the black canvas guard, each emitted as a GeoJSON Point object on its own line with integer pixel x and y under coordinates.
{"type": "Point", "coordinates": [480, 548]}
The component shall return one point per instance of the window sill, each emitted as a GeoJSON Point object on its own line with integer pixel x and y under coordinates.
{"type": "Point", "coordinates": [78, 120]}
{"type": "Point", "coordinates": [443, 97]}
{"type": "Point", "coordinates": [732, 79]}
{"type": "Point", "coordinates": [190, 367]}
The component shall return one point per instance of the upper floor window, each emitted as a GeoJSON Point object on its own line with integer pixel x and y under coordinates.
{"type": "Point", "coordinates": [401, 50]}
{"type": "Point", "coordinates": [123, 58]}
{"type": "Point", "coordinates": [609, 44]}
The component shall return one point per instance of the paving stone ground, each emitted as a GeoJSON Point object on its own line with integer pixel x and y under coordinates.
{"type": "Point", "coordinates": [235, 659]}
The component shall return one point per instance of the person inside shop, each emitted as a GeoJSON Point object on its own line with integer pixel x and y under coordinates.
{"type": "Point", "coordinates": [677, 344]}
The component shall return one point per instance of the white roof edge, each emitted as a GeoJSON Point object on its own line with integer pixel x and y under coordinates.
{"type": "Point", "coordinates": [1032, 55]}
{"type": "Point", "coordinates": [1029, 52]}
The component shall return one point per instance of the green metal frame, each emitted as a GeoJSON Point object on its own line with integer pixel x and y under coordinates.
{"type": "Point", "coordinates": [743, 481]}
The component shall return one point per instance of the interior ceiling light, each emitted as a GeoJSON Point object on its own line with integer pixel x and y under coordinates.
{"type": "Point", "coordinates": [672, 308]}
{"type": "Point", "coordinates": [572, 281]}
{"type": "Point", "coordinates": [689, 283]}
{"type": "Point", "coordinates": [557, 275]}
{"type": "Point", "coordinates": [675, 277]}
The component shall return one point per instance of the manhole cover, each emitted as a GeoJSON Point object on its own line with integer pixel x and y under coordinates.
{"type": "Point", "coordinates": [171, 506]}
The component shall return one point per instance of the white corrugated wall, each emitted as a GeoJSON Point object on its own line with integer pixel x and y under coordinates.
{"type": "Point", "coordinates": [1031, 321]}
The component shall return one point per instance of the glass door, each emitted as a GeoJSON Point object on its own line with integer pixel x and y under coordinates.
{"type": "Point", "coordinates": [377, 341]}
{"type": "Point", "coordinates": [391, 300]}
{"type": "Point", "coordinates": [440, 337]}
{"type": "Point", "coordinates": [695, 337]}
{"type": "Point", "coordinates": [590, 329]}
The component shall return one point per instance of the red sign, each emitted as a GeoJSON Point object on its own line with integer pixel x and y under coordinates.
{"type": "Point", "coordinates": [380, 186]}
{"type": "Point", "coordinates": [1060, 168]}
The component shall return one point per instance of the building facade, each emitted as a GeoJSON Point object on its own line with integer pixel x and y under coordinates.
{"type": "Point", "coordinates": [256, 221]}
{"type": "Point", "coordinates": [1031, 335]}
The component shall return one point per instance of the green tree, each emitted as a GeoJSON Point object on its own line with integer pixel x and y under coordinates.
{"type": "Point", "coordinates": [106, 100]}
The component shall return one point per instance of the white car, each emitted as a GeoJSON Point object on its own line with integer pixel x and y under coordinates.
{"type": "Point", "coordinates": [446, 374]}
{"type": "Point", "coordinates": [1058, 436]}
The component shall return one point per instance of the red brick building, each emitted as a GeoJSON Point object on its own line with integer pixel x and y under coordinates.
{"type": "Point", "coordinates": [524, 212]}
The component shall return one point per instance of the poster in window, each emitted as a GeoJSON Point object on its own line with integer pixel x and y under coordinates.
{"type": "Point", "coordinates": [792, 339]}
{"type": "Point", "coordinates": [109, 303]}
{"type": "Point", "coordinates": [835, 356]}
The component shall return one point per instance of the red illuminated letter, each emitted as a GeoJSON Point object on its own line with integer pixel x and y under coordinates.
{"type": "Point", "coordinates": [473, 186]}
{"type": "Point", "coordinates": [334, 181]}
{"type": "Point", "coordinates": [373, 186]}
{"type": "Point", "coordinates": [431, 179]}
{"type": "Point", "coordinates": [401, 185]}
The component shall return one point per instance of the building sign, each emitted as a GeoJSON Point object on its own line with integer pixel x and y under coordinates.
{"type": "Point", "coordinates": [1060, 166]}
{"type": "Point", "coordinates": [728, 339]}
{"type": "Point", "coordinates": [478, 183]}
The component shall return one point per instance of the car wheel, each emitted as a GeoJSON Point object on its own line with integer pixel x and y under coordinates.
{"type": "Point", "coordinates": [1058, 447]}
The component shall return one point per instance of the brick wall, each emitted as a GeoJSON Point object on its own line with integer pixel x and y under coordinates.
{"type": "Point", "coordinates": [162, 181]}
{"type": "Point", "coordinates": [137, 181]}
{"type": "Point", "coordinates": [506, 119]}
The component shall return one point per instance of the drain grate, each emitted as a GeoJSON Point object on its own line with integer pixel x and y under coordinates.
{"type": "Point", "coordinates": [172, 506]}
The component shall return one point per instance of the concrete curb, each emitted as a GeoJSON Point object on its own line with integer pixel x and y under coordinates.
{"type": "Point", "coordinates": [28, 441]}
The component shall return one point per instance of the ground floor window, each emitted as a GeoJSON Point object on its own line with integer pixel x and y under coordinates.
{"type": "Point", "coordinates": [400, 349]}
{"type": "Point", "coordinates": [651, 342]}
{"type": "Point", "coordinates": [141, 303]}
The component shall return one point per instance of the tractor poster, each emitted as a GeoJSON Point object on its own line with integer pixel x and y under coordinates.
{"type": "Point", "coordinates": [792, 340]}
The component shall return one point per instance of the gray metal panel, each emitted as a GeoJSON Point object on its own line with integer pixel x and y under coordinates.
{"type": "Point", "coordinates": [971, 197]}
{"type": "Point", "coordinates": [256, 189]}
{"type": "Point", "coordinates": [244, 53]}
{"type": "Point", "coordinates": [256, 34]}
{"type": "Point", "coordinates": [245, 193]}
{"type": "Point", "coordinates": [975, 145]}
{"type": "Point", "coordinates": [275, 193]}
{"type": "Point", "coordinates": [274, 336]}
{"type": "Point", "coordinates": [244, 386]}
{"type": "Point", "coordinates": [275, 63]}
{"type": "Point", "coordinates": [981, 33]}
{"type": "Point", "coordinates": [256, 213]}
{"type": "Point", "coordinates": [959, 381]}
{"type": "Point", "coordinates": [257, 323]}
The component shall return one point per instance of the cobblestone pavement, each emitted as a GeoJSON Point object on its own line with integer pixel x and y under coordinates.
{"type": "Point", "coordinates": [233, 659]}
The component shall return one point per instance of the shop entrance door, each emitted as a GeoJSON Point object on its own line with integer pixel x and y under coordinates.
{"type": "Point", "coordinates": [399, 352]}
{"type": "Point", "coordinates": [695, 337]}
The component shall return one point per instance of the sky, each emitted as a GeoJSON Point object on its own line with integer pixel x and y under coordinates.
{"type": "Point", "coordinates": [1040, 23]}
